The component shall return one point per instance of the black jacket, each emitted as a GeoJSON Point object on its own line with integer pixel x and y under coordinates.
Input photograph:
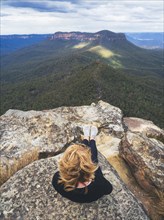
{"type": "Point", "coordinates": [96, 189]}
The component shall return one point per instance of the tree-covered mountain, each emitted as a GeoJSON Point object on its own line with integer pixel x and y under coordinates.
{"type": "Point", "coordinates": [12, 43]}
{"type": "Point", "coordinates": [79, 68]}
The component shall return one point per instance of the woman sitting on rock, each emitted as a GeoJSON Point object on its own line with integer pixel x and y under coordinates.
{"type": "Point", "coordinates": [80, 179]}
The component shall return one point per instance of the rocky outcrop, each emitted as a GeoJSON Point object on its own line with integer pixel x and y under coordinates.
{"type": "Point", "coordinates": [145, 157]}
{"type": "Point", "coordinates": [138, 125]}
{"type": "Point", "coordinates": [82, 36]}
{"type": "Point", "coordinates": [133, 146]}
{"type": "Point", "coordinates": [50, 130]}
{"type": "Point", "coordinates": [143, 151]}
{"type": "Point", "coordinates": [29, 195]}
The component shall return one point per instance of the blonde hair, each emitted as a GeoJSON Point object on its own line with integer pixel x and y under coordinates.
{"type": "Point", "coordinates": [76, 166]}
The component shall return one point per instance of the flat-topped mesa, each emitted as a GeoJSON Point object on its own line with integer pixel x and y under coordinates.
{"type": "Point", "coordinates": [84, 36]}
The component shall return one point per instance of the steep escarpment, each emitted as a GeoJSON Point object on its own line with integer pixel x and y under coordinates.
{"type": "Point", "coordinates": [131, 145]}
{"type": "Point", "coordinates": [82, 36]}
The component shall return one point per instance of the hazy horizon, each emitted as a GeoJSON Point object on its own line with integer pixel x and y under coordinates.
{"type": "Point", "coordinates": [81, 32]}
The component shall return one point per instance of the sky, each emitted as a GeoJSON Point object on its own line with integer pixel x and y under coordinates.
{"type": "Point", "coordinates": [50, 16]}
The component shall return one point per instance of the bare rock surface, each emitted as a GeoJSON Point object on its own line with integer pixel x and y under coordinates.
{"type": "Point", "coordinates": [29, 195]}
{"type": "Point", "coordinates": [27, 135]}
{"type": "Point", "coordinates": [145, 127]}
{"type": "Point", "coordinates": [51, 129]}
{"type": "Point", "coordinates": [145, 156]}
{"type": "Point", "coordinates": [132, 145]}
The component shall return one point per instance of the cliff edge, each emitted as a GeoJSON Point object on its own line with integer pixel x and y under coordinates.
{"type": "Point", "coordinates": [31, 140]}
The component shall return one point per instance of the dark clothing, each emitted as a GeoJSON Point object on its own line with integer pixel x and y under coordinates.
{"type": "Point", "coordinates": [96, 189]}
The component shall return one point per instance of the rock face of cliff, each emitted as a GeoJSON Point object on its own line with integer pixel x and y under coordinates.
{"type": "Point", "coordinates": [143, 150]}
{"type": "Point", "coordinates": [29, 136]}
{"type": "Point", "coordinates": [145, 157]}
{"type": "Point", "coordinates": [105, 34]}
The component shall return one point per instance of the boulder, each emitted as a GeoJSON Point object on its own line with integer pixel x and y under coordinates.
{"type": "Point", "coordinates": [148, 128]}
{"type": "Point", "coordinates": [28, 194]}
{"type": "Point", "coordinates": [51, 129]}
{"type": "Point", "coordinates": [145, 157]}
{"type": "Point", "coordinates": [25, 135]}
{"type": "Point", "coordinates": [143, 151]}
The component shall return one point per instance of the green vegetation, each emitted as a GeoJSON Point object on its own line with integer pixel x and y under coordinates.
{"type": "Point", "coordinates": [54, 74]}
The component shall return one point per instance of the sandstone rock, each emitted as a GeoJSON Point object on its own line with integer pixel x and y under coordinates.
{"type": "Point", "coordinates": [51, 129]}
{"type": "Point", "coordinates": [29, 195]}
{"type": "Point", "coordinates": [108, 144]}
{"type": "Point", "coordinates": [145, 157]}
{"type": "Point", "coordinates": [33, 132]}
{"type": "Point", "coordinates": [27, 136]}
{"type": "Point", "coordinates": [145, 127]}
{"type": "Point", "coordinates": [143, 150]}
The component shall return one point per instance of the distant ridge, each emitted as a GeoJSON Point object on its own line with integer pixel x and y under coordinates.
{"type": "Point", "coordinates": [14, 42]}
{"type": "Point", "coordinates": [82, 36]}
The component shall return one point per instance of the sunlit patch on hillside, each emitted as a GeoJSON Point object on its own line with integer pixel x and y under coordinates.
{"type": "Point", "coordinates": [116, 63]}
{"type": "Point", "coordinates": [81, 45]}
{"type": "Point", "coordinates": [102, 51]}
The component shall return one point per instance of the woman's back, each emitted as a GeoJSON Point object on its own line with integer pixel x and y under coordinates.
{"type": "Point", "coordinates": [96, 189]}
{"type": "Point", "coordinates": [80, 165]}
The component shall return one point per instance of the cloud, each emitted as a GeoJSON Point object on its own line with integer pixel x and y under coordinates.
{"type": "Point", "coordinates": [49, 16]}
{"type": "Point", "coordinates": [42, 6]}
